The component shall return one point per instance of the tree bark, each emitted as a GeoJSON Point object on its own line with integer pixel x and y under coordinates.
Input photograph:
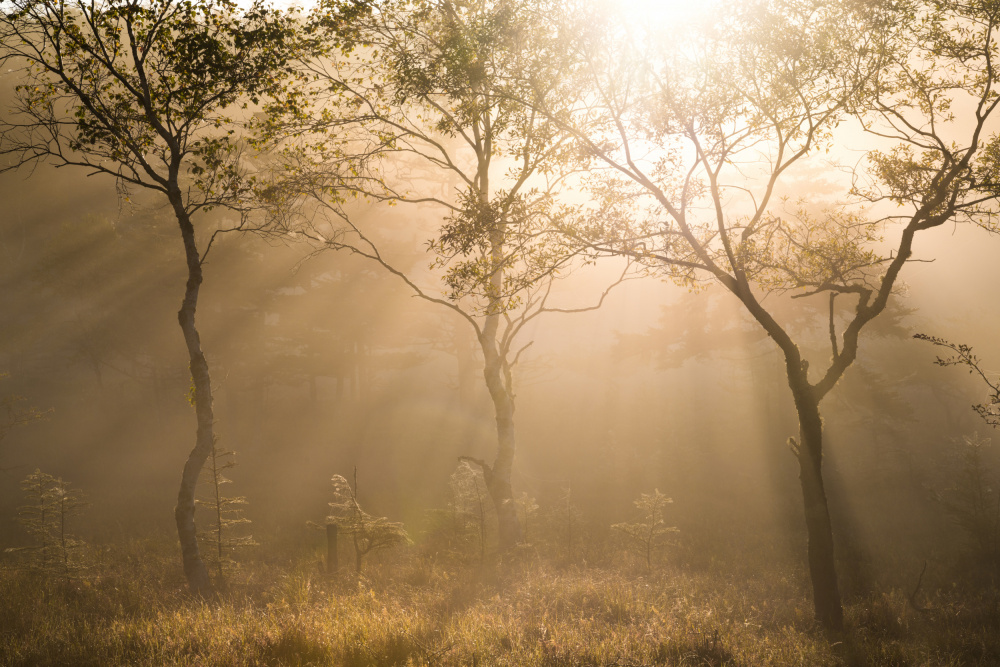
{"type": "Point", "coordinates": [194, 567]}
{"type": "Point", "coordinates": [498, 476]}
{"type": "Point", "coordinates": [809, 451]}
{"type": "Point", "coordinates": [509, 531]}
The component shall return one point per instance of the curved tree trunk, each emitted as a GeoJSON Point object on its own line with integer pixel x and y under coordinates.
{"type": "Point", "coordinates": [809, 451]}
{"type": "Point", "coordinates": [194, 567]}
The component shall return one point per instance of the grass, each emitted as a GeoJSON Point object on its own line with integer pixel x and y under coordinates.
{"type": "Point", "coordinates": [412, 609]}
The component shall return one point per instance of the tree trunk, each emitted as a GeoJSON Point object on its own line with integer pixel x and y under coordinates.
{"type": "Point", "coordinates": [332, 555]}
{"type": "Point", "coordinates": [508, 525]}
{"type": "Point", "coordinates": [498, 477]}
{"type": "Point", "coordinates": [194, 567]}
{"type": "Point", "coordinates": [822, 567]}
{"type": "Point", "coordinates": [357, 555]}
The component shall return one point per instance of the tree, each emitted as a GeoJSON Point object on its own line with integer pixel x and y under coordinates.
{"type": "Point", "coordinates": [430, 91]}
{"type": "Point", "coordinates": [368, 533]}
{"type": "Point", "coordinates": [145, 92]}
{"type": "Point", "coordinates": [972, 500]}
{"type": "Point", "coordinates": [699, 128]}
{"type": "Point", "coordinates": [527, 507]}
{"type": "Point", "coordinates": [51, 503]}
{"type": "Point", "coordinates": [650, 532]}
{"type": "Point", "coordinates": [226, 511]}
{"type": "Point", "coordinates": [467, 508]}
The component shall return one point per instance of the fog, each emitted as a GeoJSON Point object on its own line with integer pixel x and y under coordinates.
{"type": "Point", "coordinates": [325, 363]}
{"type": "Point", "coordinates": [592, 335]}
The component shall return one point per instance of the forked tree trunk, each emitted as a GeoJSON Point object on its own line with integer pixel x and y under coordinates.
{"type": "Point", "coordinates": [809, 451]}
{"type": "Point", "coordinates": [822, 566]}
{"type": "Point", "coordinates": [194, 567]}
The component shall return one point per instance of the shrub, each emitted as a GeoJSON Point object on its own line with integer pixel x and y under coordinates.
{"type": "Point", "coordinates": [649, 533]}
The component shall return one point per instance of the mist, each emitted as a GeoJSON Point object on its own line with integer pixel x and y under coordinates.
{"type": "Point", "coordinates": [327, 365]}
{"type": "Point", "coordinates": [499, 333]}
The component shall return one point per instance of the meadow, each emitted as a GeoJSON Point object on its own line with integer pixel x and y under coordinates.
{"type": "Point", "coordinates": [712, 599]}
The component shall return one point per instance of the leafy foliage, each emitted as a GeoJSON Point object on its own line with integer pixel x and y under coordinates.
{"type": "Point", "coordinates": [142, 91]}
{"type": "Point", "coordinates": [963, 356]}
{"type": "Point", "coordinates": [435, 89]}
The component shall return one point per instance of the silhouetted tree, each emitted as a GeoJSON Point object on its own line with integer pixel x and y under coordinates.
{"type": "Point", "coordinates": [429, 92]}
{"type": "Point", "coordinates": [697, 129]}
{"type": "Point", "coordinates": [145, 92]}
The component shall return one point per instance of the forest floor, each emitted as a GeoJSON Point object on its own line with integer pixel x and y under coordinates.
{"type": "Point", "coordinates": [414, 608]}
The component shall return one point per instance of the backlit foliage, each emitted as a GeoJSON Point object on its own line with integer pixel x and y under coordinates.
{"type": "Point", "coordinates": [143, 91]}
{"type": "Point", "coordinates": [648, 534]}
{"type": "Point", "coordinates": [227, 532]}
{"type": "Point", "coordinates": [51, 506]}
{"type": "Point", "coordinates": [989, 411]}
{"type": "Point", "coordinates": [434, 91]}
{"type": "Point", "coordinates": [368, 533]}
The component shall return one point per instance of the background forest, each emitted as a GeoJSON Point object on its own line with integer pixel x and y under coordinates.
{"type": "Point", "coordinates": [324, 363]}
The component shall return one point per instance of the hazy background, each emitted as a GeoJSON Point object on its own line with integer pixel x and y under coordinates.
{"type": "Point", "coordinates": [327, 363]}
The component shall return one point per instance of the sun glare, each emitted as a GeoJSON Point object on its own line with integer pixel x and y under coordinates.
{"type": "Point", "coordinates": [656, 12]}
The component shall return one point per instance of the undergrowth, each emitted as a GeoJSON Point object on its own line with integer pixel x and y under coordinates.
{"type": "Point", "coordinates": [409, 609]}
